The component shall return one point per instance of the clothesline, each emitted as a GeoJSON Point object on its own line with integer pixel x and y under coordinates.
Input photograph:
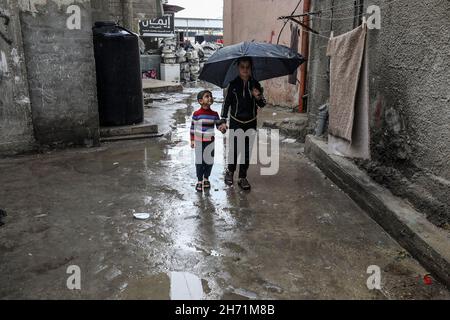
{"type": "Point", "coordinates": [341, 18]}
{"type": "Point", "coordinates": [318, 14]}
{"type": "Point", "coordinates": [344, 7]}
{"type": "Point", "coordinates": [328, 38]}
{"type": "Point", "coordinates": [285, 22]}
{"type": "Point", "coordinates": [317, 34]}
{"type": "Point", "coordinates": [315, 16]}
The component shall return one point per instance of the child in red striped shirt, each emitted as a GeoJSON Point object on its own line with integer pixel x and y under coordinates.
{"type": "Point", "coordinates": [202, 138]}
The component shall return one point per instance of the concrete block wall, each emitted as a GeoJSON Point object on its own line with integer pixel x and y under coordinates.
{"type": "Point", "coordinates": [47, 69]}
{"type": "Point", "coordinates": [126, 12]}
{"type": "Point", "coordinates": [16, 129]}
{"type": "Point", "coordinates": [61, 72]}
{"type": "Point", "coordinates": [108, 10]}
{"type": "Point", "coordinates": [409, 63]}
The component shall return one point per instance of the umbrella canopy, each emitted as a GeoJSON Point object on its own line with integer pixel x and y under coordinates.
{"type": "Point", "coordinates": [269, 61]}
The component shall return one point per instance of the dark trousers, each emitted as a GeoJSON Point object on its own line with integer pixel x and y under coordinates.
{"type": "Point", "coordinates": [204, 159]}
{"type": "Point", "coordinates": [243, 154]}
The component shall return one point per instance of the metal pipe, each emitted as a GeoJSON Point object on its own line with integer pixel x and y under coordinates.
{"type": "Point", "coordinates": [322, 120]}
{"type": "Point", "coordinates": [305, 53]}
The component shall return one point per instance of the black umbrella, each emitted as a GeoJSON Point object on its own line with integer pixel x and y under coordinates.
{"type": "Point", "coordinates": [269, 61]}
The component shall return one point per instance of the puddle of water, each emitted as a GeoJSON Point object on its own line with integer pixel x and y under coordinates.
{"type": "Point", "coordinates": [239, 294]}
{"type": "Point", "coordinates": [173, 286]}
{"type": "Point", "coordinates": [154, 287]}
{"type": "Point", "coordinates": [185, 286]}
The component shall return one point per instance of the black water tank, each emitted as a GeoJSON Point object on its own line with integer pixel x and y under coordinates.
{"type": "Point", "coordinates": [119, 83]}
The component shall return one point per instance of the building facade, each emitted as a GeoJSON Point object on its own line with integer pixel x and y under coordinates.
{"type": "Point", "coordinates": [47, 69]}
{"type": "Point", "coordinates": [409, 68]}
{"type": "Point", "coordinates": [258, 20]}
{"type": "Point", "coordinates": [199, 26]}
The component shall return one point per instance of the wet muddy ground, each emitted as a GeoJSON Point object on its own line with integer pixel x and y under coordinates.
{"type": "Point", "coordinates": [294, 236]}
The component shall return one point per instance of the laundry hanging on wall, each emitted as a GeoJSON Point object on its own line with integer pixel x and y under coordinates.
{"type": "Point", "coordinates": [349, 133]}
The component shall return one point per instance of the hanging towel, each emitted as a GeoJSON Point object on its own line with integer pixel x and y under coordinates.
{"type": "Point", "coordinates": [349, 95]}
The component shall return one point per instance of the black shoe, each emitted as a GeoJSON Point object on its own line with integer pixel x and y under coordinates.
{"type": "Point", "coordinates": [243, 183]}
{"type": "Point", "coordinates": [199, 187]}
{"type": "Point", "coordinates": [229, 178]}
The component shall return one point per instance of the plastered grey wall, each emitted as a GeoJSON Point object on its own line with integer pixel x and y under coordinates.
{"type": "Point", "coordinates": [61, 72]}
{"type": "Point", "coordinates": [16, 131]}
{"type": "Point", "coordinates": [409, 61]}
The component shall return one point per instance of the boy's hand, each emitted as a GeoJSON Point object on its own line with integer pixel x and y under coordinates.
{"type": "Point", "coordinates": [192, 144]}
{"type": "Point", "coordinates": [256, 93]}
{"type": "Point", "coordinates": [223, 128]}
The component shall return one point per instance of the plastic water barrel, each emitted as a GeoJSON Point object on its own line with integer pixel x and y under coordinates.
{"type": "Point", "coordinates": [119, 79]}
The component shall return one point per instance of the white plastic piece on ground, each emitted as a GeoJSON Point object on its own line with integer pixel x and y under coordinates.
{"type": "Point", "coordinates": [141, 216]}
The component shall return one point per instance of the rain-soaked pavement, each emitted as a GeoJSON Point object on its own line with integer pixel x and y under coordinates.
{"type": "Point", "coordinates": [294, 236]}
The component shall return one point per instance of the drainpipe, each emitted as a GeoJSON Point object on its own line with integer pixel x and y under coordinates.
{"type": "Point", "coordinates": [305, 54]}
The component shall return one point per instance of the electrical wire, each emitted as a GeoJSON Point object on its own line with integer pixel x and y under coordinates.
{"type": "Point", "coordinates": [285, 23]}
{"type": "Point", "coordinates": [340, 8]}
{"type": "Point", "coordinates": [352, 16]}
{"type": "Point", "coordinates": [321, 18]}
{"type": "Point", "coordinates": [343, 7]}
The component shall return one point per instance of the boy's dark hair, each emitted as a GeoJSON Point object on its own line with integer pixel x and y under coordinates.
{"type": "Point", "coordinates": [202, 93]}
{"type": "Point", "coordinates": [245, 59]}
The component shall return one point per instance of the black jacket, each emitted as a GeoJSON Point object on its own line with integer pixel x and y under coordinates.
{"type": "Point", "coordinates": [239, 101]}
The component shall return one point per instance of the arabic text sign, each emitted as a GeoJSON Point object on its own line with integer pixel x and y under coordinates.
{"type": "Point", "coordinates": [162, 25]}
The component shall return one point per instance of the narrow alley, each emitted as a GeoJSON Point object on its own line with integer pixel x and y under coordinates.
{"type": "Point", "coordinates": [295, 236]}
